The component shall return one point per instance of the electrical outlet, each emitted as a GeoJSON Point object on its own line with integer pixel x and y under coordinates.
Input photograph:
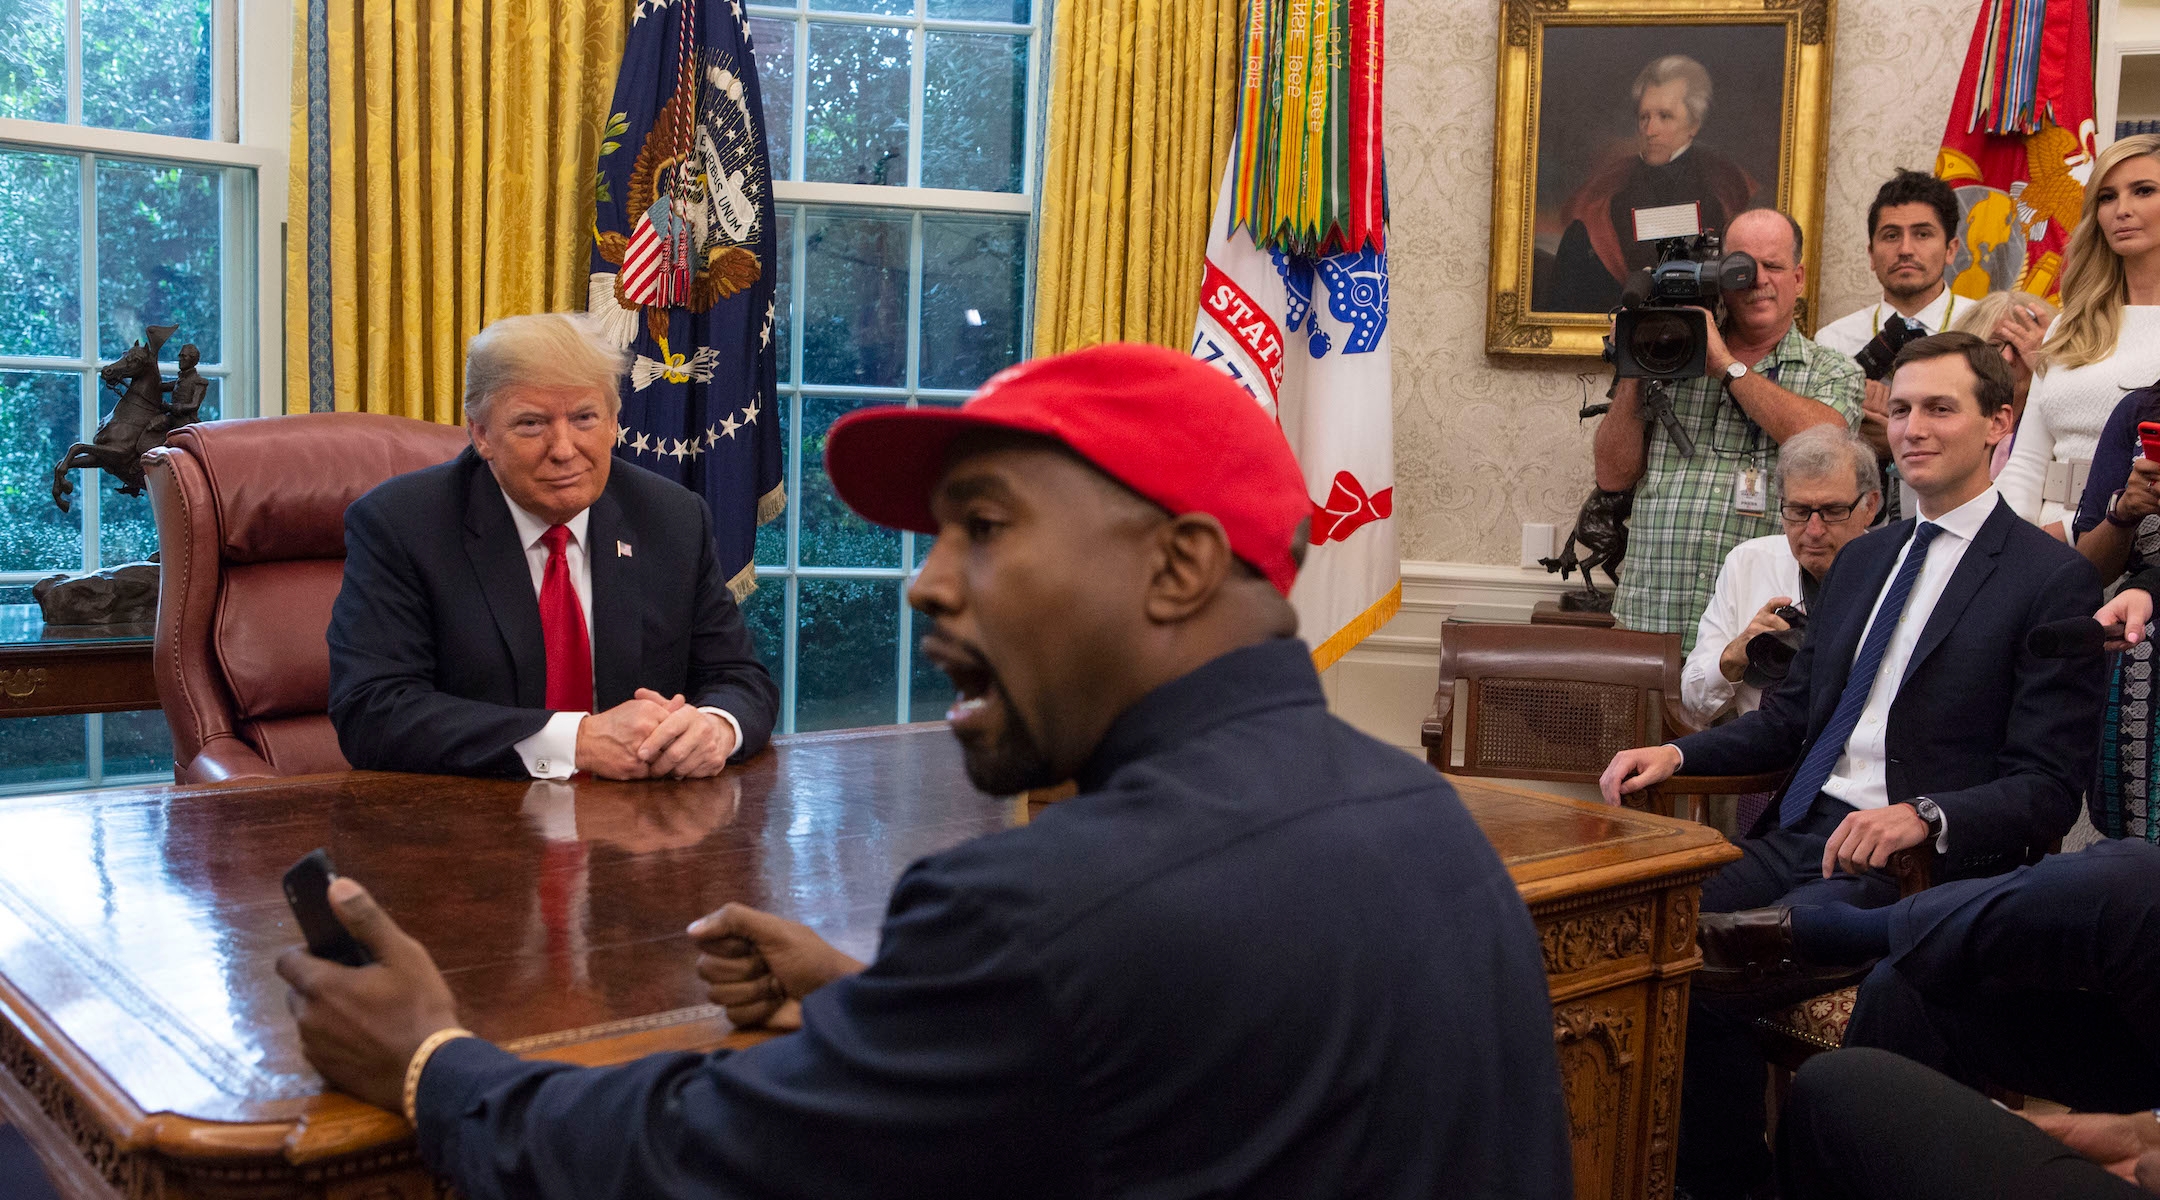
{"type": "Point", "coordinates": [1537, 543]}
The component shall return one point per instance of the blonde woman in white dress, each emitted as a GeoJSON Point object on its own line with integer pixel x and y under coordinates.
{"type": "Point", "coordinates": [2106, 342]}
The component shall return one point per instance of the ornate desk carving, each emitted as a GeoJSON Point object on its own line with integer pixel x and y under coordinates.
{"type": "Point", "coordinates": [147, 1051]}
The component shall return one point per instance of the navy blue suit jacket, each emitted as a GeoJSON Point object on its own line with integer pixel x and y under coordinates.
{"type": "Point", "coordinates": [2003, 741]}
{"type": "Point", "coordinates": [436, 659]}
{"type": "Point", "coordinates": [1260, 954]}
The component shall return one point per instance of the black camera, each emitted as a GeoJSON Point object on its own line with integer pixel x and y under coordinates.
{"type": "Point", "coordinates": [1662, 328]}
{"type": "Point", "coordinates": [1875, 357]}
{"type": "Point", "coordinates": [1770, 655]}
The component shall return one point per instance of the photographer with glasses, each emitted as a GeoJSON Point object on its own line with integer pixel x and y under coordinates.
{"type": "Point", "coordinates": [1831, 492]}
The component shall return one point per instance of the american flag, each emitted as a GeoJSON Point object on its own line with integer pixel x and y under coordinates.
{"type": "Point", "coordinates": [656, 266]}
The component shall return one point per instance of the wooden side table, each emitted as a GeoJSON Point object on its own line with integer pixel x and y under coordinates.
{"type": "Point", "coordinates": [48, 672]}
{"type": "Point", "coordinates": [1549, 612]}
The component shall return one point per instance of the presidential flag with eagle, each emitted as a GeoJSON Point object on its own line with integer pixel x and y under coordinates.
{"type": "Point", "coordinates": [683, 266]}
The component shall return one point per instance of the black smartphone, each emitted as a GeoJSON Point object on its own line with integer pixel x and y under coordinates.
{"type": "Point", "coordinates": [307, 889]}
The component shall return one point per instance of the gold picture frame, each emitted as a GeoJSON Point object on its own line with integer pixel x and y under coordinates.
{"type": "Point", "coordinates": [1555, 144]}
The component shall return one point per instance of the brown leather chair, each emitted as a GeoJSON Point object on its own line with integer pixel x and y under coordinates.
{"type": "Point", "coordinates": [251, 531]}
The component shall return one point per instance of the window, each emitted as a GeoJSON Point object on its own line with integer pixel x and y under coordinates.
{"type": "Point", "coordinates": [127, 198]}
{"type": "Point", "coordinates": [903, 136]}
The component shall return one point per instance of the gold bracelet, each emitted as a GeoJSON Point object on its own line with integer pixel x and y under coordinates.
{"type": "Point", "coordinates": [419, 1062]}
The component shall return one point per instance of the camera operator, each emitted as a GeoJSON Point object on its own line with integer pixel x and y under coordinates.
{"type": "Point", "coordinates": [1830, 493]}
{"type": "Point", "coordinates": [1765, 383]}
{"type": "Point", "coordinates": [1912, 236]}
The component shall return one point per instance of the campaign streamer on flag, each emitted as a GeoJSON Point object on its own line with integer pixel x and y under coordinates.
{"type": "Point", "coordinates": [683, 267]}
{"type": "Point", "coordinates": [2019, 145]}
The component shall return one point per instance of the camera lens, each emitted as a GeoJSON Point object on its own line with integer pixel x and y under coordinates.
{"type": "Point", "coordinates": [1662, 341]}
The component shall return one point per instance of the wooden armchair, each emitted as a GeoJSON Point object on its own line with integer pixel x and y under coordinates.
{"type": "Point", "coordinates": [1556, 702]}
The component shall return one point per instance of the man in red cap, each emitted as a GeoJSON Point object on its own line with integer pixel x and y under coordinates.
{"type": "Point", "coordinates": [1258, 954]}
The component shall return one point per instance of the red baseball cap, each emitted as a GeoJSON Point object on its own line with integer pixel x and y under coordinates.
{"type": "Point", "coordinates": [1162, 423]}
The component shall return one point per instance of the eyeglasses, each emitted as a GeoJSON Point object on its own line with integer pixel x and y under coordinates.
{"type": "Point", "coordinates": [1796, 515]}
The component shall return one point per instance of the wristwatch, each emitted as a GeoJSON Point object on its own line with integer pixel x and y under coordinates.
{"type": "Point", "coordinates": [2118, 522]}
{"type": "Point", "coordinates": [1733, 374]}
{"type": "Point", "coordinates": [1931, 813]}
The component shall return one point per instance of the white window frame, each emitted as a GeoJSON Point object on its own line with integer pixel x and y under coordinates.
{"type": "Point", "coordinates": [250, 106]}
{"type": "Point", "coordinates": [915, 200]}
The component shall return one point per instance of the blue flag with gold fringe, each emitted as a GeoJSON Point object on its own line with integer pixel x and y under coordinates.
{"type": "Point", "coordinates": [683, 266]}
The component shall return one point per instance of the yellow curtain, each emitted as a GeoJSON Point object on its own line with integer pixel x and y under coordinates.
{"type": "Point", "coordinates": [442, 176]}
{"type": "Point", "coordinates": [1142, 110]}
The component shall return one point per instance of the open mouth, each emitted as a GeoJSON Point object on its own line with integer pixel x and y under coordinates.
{"type": "Point", "coordinates": [971, 677]}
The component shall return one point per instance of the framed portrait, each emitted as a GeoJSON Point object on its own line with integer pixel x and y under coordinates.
{"type": "Point", "coordinates": [1621, 121]}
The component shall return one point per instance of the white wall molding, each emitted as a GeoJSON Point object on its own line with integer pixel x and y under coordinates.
{"type": "Point", "coordinates": [1384, 686]}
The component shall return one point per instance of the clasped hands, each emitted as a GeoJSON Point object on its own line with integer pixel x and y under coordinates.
{"type": "Point", "coordinates": [651, 736]}
{"type": "Point", "coordinates": [1863, 841]}
{"type": "Point", "coordinates": [360, 1026]}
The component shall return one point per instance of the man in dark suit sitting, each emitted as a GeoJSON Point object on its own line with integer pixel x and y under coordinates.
{"type": "Point", "coordinates": [1913, 715]}
{"type": "Point", "coordinates": [534, 607]}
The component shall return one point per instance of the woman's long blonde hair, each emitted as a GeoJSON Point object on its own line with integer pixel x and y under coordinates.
{"type": "Point", "coordinates": [2093, 287]}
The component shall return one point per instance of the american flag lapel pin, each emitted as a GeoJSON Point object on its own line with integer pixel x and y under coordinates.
{"type": "Point", "coordinates": [622, 549]}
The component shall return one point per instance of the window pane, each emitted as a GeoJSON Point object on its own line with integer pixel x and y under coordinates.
{"type": "Point", "coordinates": [930, 692]}
{"type": "Point", "coordinates": [856, 130]}
{"type": "Point", "coordinates": [765, 612]}
{"type": "Point", "coordinates": [33, 60]}
{"type": "Point", "coordinates": [157, 257]}
{"type": "Point", "coordinates": [40, 254]}
{"type": "Point", "coordinates": [42, 414]}
{"type": "Point", "coordinates": [126, 531]}
{"type": "Point", "coordinates": [146, 66]}
{"type": "Point", "coordinates": [1015, 11]}
{"type": "Point", "coordinates": [771, 549]}
{"type": "Point", "coordinates": [43, 749]}
{"type": "Point", "coordinates": [832, 535]}
{"type": "Point", "coordinates": [137, 743]}
{"type": "Point", "coordinates": [772, 45]}
{"type": "Point", "coordinates": [784, 289]}
{"type": "Point", "coordinates": [892, 8]}
{"type": "Point", "coordinates": [855, 277]}
{"type": "Point", "coordinates": [846, 630]}
{"type": "Point", "coordinates": [974, 111]}
{"type": "Point", "coordinates": [973, 281]}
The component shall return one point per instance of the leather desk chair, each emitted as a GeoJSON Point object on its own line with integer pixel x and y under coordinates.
{"type": "Point", "coordinates": [251, 530]}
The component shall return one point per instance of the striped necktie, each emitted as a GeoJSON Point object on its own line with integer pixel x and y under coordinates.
{"type": "Point", "coordinates": [1830, 744]}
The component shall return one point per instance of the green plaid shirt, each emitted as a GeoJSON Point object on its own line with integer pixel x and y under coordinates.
{"type": "Point", "coordinates": [1684, 523]}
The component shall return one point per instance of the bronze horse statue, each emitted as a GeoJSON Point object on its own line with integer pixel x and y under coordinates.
{"type": "Point", "coordinates": [1601, 531]}
{"type": "Point", "coordinates": [141, 418]}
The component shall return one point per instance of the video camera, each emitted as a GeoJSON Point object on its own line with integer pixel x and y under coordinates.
{"type": "Point", "coordinates": [1662, 328]}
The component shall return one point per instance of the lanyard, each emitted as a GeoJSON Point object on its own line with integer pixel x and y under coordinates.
{"type": "Point", "coordinates": [1947, 310]}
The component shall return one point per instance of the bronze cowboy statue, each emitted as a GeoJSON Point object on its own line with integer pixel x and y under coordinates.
{"type": "Point", "coordinates": [140, 420]}
{"type": "Point", "coordinates": [1601, 531]}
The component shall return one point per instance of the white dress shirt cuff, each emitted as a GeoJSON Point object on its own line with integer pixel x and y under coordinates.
{"type": "Point", "coordinates": [732, 723]}
{"type": "Point", "coordinates": [1942, 840]}
{"type": "Point", "coordinates": [552, 752]}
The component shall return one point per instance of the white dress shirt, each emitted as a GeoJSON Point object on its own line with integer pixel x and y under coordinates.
{"type": "Point", "coordinates": [552, 752]}
{"type": "Point", "coordinates": [1850, 334]}
{"type": "Point", "coordinates": [1755, 572]}
{"type": "Point", "coordinates": [1858, 779]}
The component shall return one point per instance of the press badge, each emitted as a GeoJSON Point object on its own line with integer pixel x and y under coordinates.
{"type": "Point", "coordinates": [1748, 493]}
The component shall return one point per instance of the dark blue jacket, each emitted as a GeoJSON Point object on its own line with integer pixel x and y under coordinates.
{"type": "Point", "coordinates": [1260, 955]}
{"type": "Point", "coordinates": [2002, 740]}
{"type": "Point", "coordinates": [436, 659]}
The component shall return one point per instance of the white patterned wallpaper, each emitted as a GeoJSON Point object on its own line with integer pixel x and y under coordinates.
{"type": "Point", "coordinates": [1482, 445]}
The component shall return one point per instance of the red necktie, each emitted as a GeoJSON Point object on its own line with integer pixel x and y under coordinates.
{"type": "Point", "coordinates": [562, 628]}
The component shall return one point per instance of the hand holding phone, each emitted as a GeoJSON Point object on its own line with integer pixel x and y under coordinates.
{"type": "Point", "coordinates": [307, 890]}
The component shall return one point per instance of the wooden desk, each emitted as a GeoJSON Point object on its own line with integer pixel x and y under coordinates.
{"type": "Point", "coordinates": [148, 1051]}
{"type": "Point", "coordinates": [47, 672]}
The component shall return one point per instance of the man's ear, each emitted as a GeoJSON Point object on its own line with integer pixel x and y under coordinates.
{"type": "Point", "coordinates": [1192, 559]}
